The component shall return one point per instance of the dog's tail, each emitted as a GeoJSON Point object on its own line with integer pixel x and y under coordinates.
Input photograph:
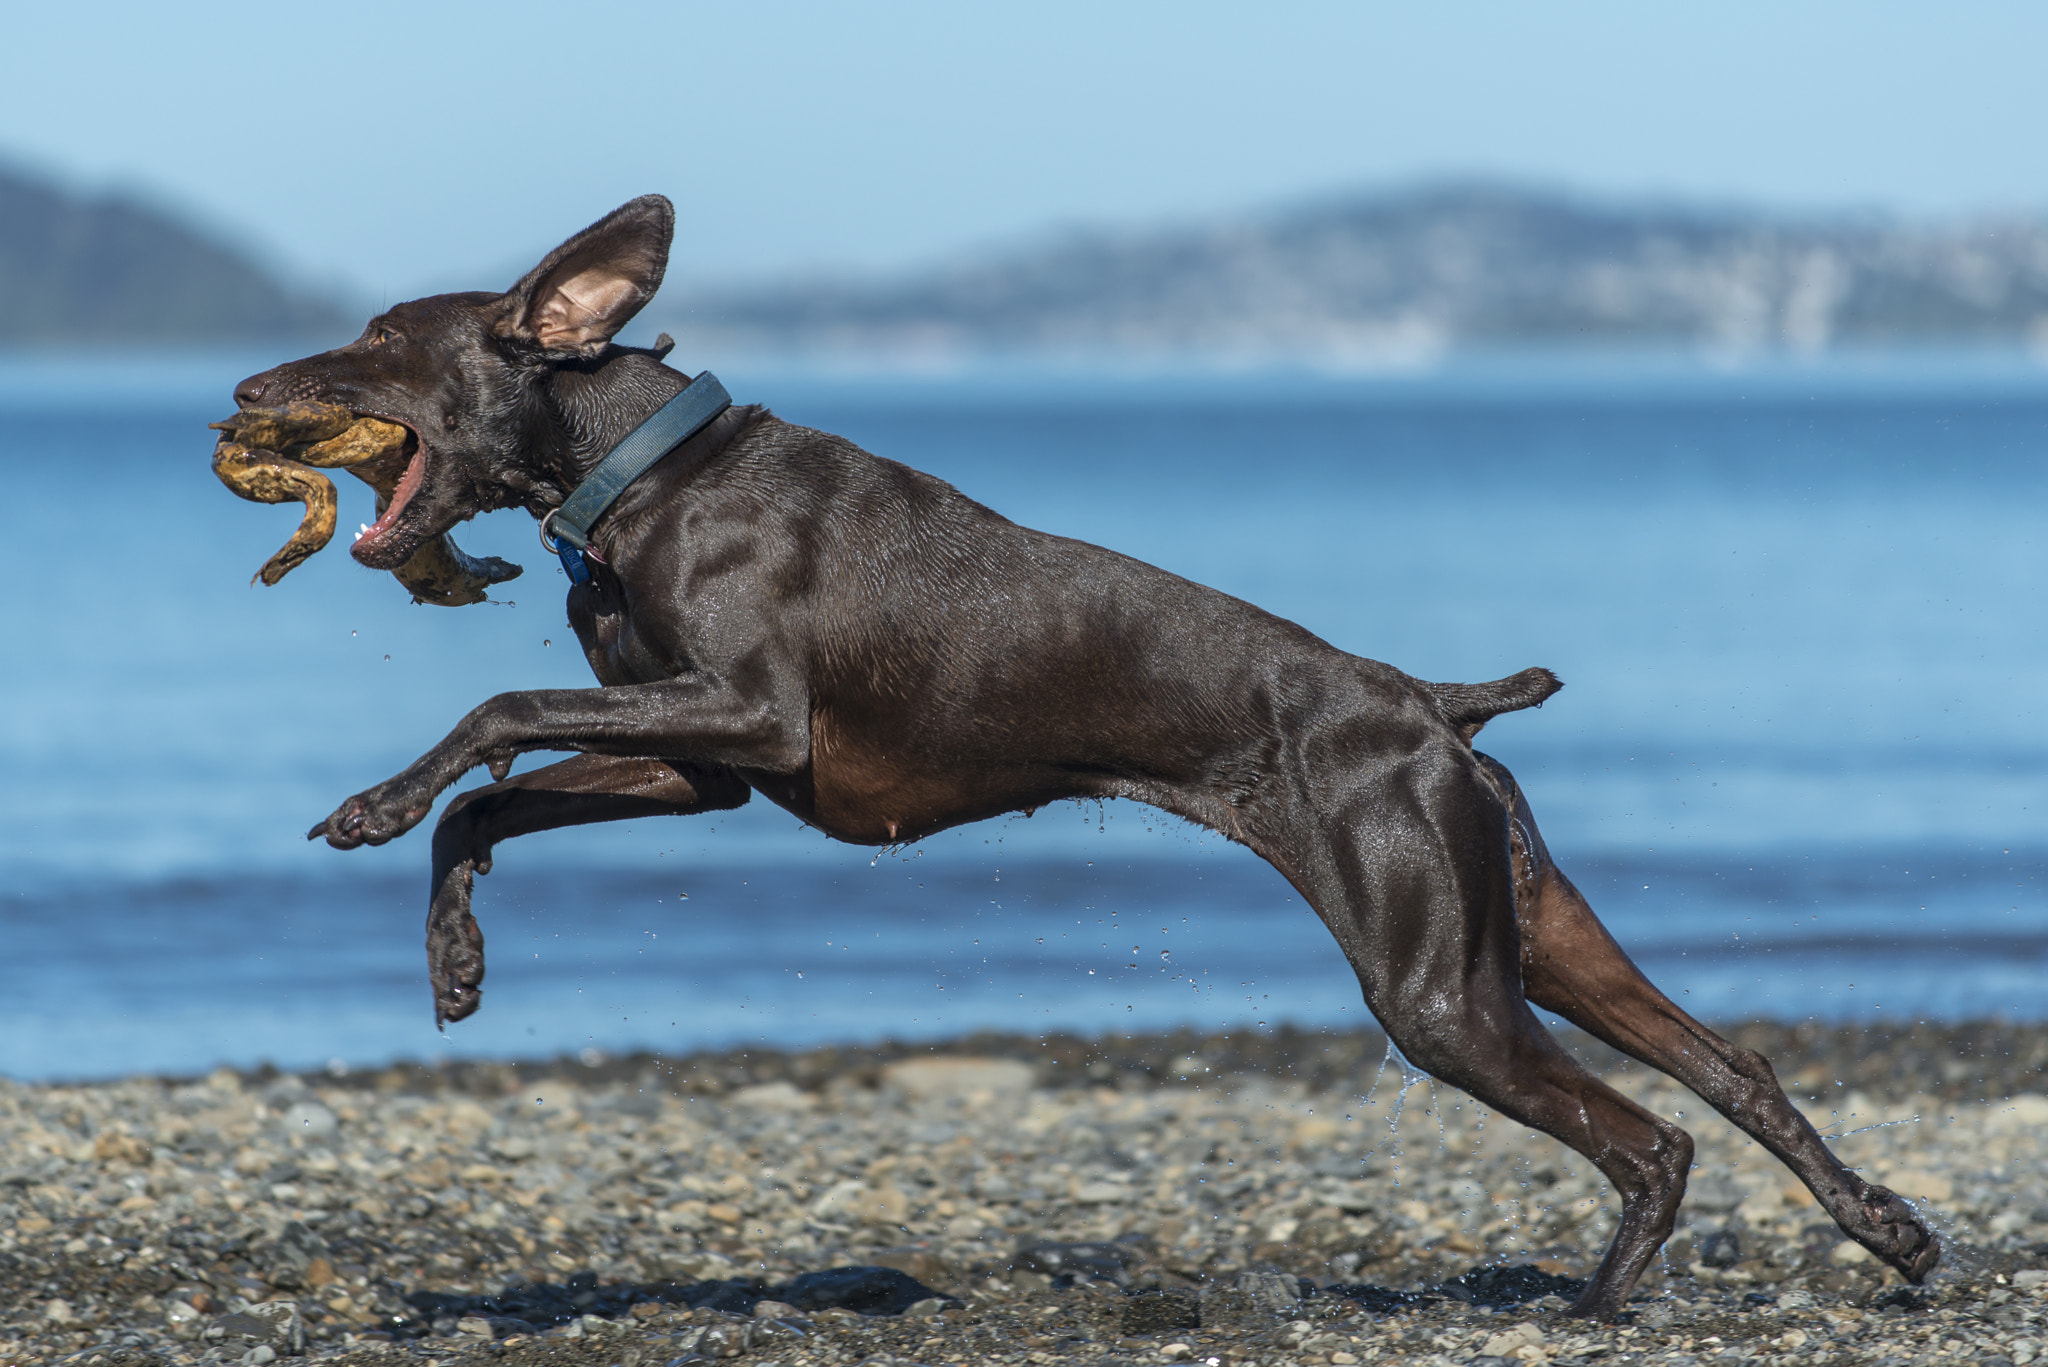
{"type": "Point", "coordinates": [1467, 707]}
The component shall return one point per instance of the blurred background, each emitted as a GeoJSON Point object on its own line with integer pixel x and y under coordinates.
{"type": "Point", "coordinates": [1699, 354]}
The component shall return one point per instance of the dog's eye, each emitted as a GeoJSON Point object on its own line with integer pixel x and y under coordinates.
{"type": "Point", "coordinates": [381, 336]}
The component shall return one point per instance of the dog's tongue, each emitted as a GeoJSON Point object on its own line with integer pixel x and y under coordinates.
{"type": "Point", "coordinates": [391, 500]}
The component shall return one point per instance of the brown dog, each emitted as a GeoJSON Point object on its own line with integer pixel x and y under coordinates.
{"type": "Point", "coordinates": [774, 610]}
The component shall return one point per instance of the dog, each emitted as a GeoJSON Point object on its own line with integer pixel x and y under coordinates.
{"type": "Point", "coordinates": [773, 610]}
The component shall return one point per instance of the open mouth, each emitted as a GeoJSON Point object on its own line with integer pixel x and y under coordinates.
{"type": "Point", "coordinates": [373, 537]}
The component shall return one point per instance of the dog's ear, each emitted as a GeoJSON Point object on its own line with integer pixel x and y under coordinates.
{"type": "Point", "coordinates": [576, 300]}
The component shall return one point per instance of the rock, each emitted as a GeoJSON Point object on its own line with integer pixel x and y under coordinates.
{"type": "Point", "coordinates": [1276, 1293]}
{"type": "Point", "coordinates": [2026, 1111]}
{"type": "Point", "coordinates": [699, 1267]}
{"type": "Point", "coordinates": [115, 1147]}
{"type": "Point", "coordinates": [921, 1263]}
{"type": "Point", "coordinates": [1101, 1193]}
{"type": "Point", "coordinates": [772, 1096]}
{"type": "Point", "coordinates": [236, 1332]}
{"type": "Point", "coordinates": [512, 1148]}
{"type": "Point", "coordinates": [1155, 1311]}
{"type": "Point", "coordinates": [476, 1327]}
{"type": "Point", "coordinates": [287, 1325]}
{"type": "Point", "coordinates": [1715, 1193]}
{"type": "Point", "coordinates": [733, 1297]}
{"type": "Point", "coordinates": [958, 1077]}
{"type": "Point", "coordinates": [929, 1306]}
{"type": "Point", "coordinates": [59, 1312]}
{"type": "Point", "coordinates": [1519, 1284]}
{"type": "Point", "coordinates": [288, 1261]}
{"type": "Point", "coordinates": [1503, 1344]}
{"type": "Point", "coordinates": [312, 1120]}
{"type": "Point", "coordinates": [880, 1203]}
{"type": "Point", "coordinates": [1084, 1261]}
{"type": "Point", "coordinates": [866, 1290]}
{"type": "Point", "coordinates": [1921, 1186]}
{"type": "Point", "coordinates": [773, 1310]}
{"type": "Point", "coordinates": [724, 1341]}
{"type": "Point", "coordinates": [1722, 1248]}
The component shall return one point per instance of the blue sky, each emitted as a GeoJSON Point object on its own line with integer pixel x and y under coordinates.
{"type": "Point", "coordinates": [397, 147]}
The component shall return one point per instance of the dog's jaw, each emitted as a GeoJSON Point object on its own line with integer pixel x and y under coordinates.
{"type": "Point", "coordinates": [385, 544]}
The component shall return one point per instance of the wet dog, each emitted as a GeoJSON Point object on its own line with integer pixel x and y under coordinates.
{"type": "Point", "coordinates": [773, 610]}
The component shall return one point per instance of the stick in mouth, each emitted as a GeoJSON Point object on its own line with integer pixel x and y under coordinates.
{"type": "Point", "coordinates": [275, 455]}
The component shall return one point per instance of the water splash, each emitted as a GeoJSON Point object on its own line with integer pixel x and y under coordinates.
{"type": "Point", "coordinates": [1880, 1125]}
{"type": "Point", "coordinates": [1410, 1076]}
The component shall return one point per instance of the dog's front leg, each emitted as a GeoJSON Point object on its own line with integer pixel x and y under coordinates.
{"type": "Point", "coordinates": [695, 718]}
{"type": "Point", "coordinates": [575, 792]}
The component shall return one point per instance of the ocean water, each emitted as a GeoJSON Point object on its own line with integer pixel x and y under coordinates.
{"type": "Point", "coordinates": [1800, 763]}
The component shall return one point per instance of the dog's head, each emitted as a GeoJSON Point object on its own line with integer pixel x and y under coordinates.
{"type": "Point", "coordinates": [470, 376]}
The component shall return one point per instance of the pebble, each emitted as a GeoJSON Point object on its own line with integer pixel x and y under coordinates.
{"type": "Point", "coordinates": [1271, 1197]}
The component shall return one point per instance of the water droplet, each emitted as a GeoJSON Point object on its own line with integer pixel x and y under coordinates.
{"type": "Point", "coordinates": [546, 642]}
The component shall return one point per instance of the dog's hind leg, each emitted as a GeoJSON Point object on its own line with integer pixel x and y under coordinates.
{"type": "Point", "coordinates": [1572, 966]}
{"type": "Point", "coordinates": [1414, 878]}
{"type": "Point", "coordinates": [575, 792]}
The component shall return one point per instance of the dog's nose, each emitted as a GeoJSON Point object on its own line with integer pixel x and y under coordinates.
{"type": "Point", "coordinates": [249, 393]}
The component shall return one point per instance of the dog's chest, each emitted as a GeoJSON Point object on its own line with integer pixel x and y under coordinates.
{"type": "Point", "coordinates": [618, 654]}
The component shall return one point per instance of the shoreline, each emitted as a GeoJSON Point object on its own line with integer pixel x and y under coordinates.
{"type": "Point", "coordinates": [1153, 1198]}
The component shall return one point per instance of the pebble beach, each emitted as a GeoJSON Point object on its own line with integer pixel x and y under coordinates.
{"type": "Point", "coordinates": [1262, 1197]}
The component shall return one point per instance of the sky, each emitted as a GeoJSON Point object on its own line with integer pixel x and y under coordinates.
{"type": "Point", "coordinates": [394, 148]}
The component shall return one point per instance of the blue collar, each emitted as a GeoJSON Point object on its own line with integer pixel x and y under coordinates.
{"type": "Point", "coordinates": [566, 530]}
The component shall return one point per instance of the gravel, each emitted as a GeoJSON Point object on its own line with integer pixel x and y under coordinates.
{"type": "Point", "coordinates": [1260, 1197]}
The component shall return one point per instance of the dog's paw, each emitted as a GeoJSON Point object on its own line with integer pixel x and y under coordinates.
{"type": "Point", "coordinates": [1894, 1231]}
{"type": "Point", "coordinates": [383, 813]}
{"type": "Point", "coordinates": [455, 964]}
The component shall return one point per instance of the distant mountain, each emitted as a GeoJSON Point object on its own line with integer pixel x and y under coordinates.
{"type": "Point", "coordinates": [113, 270]}
{"type": "Point", "coordinates": [1399, 276]}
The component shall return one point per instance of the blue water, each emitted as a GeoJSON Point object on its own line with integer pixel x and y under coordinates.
{"type": "Point", "coordinates": [1799, 765]}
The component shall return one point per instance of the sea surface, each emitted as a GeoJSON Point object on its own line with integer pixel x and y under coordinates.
{"type": "Point", "coordinates": [1800, 764]}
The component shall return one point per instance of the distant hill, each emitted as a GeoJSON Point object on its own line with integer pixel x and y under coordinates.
{"type": "Point", "coordinates": [1398, 276]}
{"type": "Point", "coordinates": [112, 270]}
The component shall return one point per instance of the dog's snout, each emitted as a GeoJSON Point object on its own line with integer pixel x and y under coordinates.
{"type": "Point", "coordinates": [249, 393]}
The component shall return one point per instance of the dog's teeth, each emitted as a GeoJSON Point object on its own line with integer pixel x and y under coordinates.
{"type": "Point", "coordinates": [365, 531]}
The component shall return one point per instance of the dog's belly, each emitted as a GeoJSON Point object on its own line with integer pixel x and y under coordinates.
{"type": "Point", "coordinates": [867, 791]}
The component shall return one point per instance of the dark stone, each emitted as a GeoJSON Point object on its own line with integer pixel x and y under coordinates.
{"type": "Point", "coordinates": [1379, 1300]}
{"type": "Point", "coordinates": [863, 1290]}
{"type": "Point", "coordinates": [285, 1260]}
{"type": "Point", "coordinates": [1068, 1263]}
{"type": "Point", "coordinates": [1160, 1311]}
{"type": "Point", "coordinates": [118, 1355]}
{"type": "Point", "coordinates": [733, 1297]}
{"type": "Point", "coordinates": [237, 1327]}
{"type": "Point", "coordinates": [764, 1332]}
{"type": "Point", "coordinates": [1504, 1286]}
{"type": "Point", "coordinates": [1722, 1248]}
{"type": "Point", "coordinates": [724, 1340]}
